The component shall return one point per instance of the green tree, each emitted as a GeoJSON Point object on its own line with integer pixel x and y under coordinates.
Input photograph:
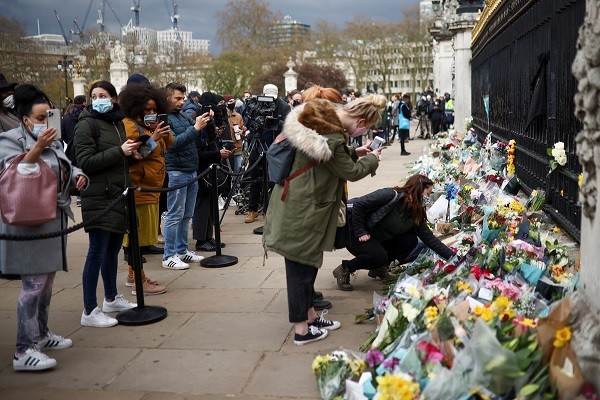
{"type": "Point", "coordinates": [229, 73]}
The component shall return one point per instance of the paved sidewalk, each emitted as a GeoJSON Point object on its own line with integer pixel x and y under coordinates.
{"type": "Point", "coordinates": [227, 333]}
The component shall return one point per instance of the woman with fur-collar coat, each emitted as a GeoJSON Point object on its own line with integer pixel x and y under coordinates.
{"type": "Point", "coordinates": [303, 226]}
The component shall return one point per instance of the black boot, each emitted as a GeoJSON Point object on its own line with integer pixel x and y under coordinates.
{"type": "Point", "coordinates": [403, 151]}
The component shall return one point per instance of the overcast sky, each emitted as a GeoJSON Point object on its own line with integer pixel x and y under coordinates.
{"type": "Point", "coordinates": [198, 16]}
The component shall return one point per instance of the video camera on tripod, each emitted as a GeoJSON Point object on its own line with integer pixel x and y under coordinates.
{"type": "Point", "coordinates": [261, 114]}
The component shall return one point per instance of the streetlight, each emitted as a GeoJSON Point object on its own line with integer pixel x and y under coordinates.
{"type": "Point", "coordinates": [66, 65]}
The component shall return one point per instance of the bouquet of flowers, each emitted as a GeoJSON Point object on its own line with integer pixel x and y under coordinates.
{"type": "Point", "coordinates": [536, 201]}
{"type": "Point", "coordinates": [559, 156]}
{"type": "Point", "coordinates": [333, 369]}
{"type": "Point", "coordinates": [510, 163]}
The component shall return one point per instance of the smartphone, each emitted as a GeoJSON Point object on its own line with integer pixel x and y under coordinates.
{"type": "Point", "coordinates": [142, 138]}
{"type": "Point", "coordinates": [376, 143]}
{"type": "Point", "coordinates": [54, 121]}
{"type": "Point", "coordinates": [206, 109]}
{"type": "Point", "coordinates": [163, 118]}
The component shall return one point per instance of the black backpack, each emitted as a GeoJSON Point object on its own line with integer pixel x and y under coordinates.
{"type": "Point", "coordinates": [70, 150]}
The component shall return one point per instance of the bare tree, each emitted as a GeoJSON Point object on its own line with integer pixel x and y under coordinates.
{"type": "Point", "coordinates": [244, 24]}
{"type": "Point", "coordinates": [417, 56]}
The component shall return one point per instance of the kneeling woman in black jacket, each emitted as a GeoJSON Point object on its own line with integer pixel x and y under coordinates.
{"type": "Point", "coordinates": [384, 226]}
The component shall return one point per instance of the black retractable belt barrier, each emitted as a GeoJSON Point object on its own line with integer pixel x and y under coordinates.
{"type": "Point", "coordinates": [219, 260]}
{"type": "Point", "coordinates": [142, 314]}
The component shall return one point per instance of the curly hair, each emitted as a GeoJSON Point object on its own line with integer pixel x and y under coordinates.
{"type": "Point", "coordinates": [133, 99]}
{"type": "Point", "coordinates": [413, 196]}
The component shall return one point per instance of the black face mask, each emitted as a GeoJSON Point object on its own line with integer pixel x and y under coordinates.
{"type": "Point", "coordinates": [296, 103]}
{"type": "Point", "coordinates": [231, 106]}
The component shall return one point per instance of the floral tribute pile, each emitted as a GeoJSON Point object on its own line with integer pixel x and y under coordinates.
{"type": "Point", "coordinates": [491, 323]}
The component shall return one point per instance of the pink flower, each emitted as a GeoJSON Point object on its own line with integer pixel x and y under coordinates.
{"type": "Point", "coordinates": [432, 353]}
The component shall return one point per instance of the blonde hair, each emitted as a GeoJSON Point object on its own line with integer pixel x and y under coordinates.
{"type": "Point", "coordinates": [366, 107]}
{"type": "Point", "coordinates": [320, 92]}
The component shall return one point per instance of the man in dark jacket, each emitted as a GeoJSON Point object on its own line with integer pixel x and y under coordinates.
{"type": "Point", "coordinates": [191, 107]}
{"type": "Point", "coordinates": [264, 138]}
{"type": "Point", "coordinates": [182, 163]}
{"type": "Point", "coordinates": [71, 118]}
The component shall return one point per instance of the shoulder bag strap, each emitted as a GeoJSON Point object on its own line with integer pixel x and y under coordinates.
{"type": "Point", "coordinates": [297, 173]}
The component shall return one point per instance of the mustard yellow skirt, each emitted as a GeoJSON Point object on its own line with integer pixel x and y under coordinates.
{"type": "Point", "coordinates": [147, 215]}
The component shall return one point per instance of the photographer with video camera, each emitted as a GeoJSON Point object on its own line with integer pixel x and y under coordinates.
{"type": "Point", "coordinates": [211, 150]}
{"type": "Point", "coordinates": [265, 116]}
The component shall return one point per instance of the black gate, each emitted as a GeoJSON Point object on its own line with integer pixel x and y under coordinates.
{"type": "Point", "coordinates": [525, 42]}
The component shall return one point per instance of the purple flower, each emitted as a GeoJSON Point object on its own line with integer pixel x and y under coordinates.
{"type": "Point", "coordinates": [391, 363]}
{"type": "Point", "coordinates": [373, 358]}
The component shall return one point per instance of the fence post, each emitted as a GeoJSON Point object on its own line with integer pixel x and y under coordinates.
{"type": "Point", "coordinates": [142, 314]}
{"type": "Point", "coordinates": [218, 260]}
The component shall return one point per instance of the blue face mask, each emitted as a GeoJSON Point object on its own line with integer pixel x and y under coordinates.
{"type": "Point", "coordinates": [149, 118]}
{"type": "Point", "coordinates": [37, 129]}
{"type": "Point", "coordinates": [102, 105]}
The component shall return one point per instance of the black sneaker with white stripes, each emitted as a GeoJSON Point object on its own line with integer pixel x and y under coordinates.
{"type": "Point", "coordinates": [52, 341]}
{"type": "Point", "coordinates": [322, 323]}
{"type": "Point", "coordinates": [33, 360]}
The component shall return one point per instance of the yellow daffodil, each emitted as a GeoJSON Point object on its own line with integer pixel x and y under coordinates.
{"type": "Point", "coordinates": [580, 180]}
{"type": "Point", "coordinates": [487, 314]}
{"type": "Point", "coordinates": [562, 337]}
{"type": "Point", "coordinates": [318, 363]}
{"type": "Point", "coordinates": [507, 314]}
{"type": "Point", "coordinates": [478, 310]}
{"type": "Point", "coordinates": [464, 287]}
{"type": "Point", "coordinates": [501, 303]}
{"type": "Point", "coordinates": [528, 322]}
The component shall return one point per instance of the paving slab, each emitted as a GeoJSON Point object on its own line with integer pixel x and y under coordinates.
{"type": "Point", "coordinates": [221, 278]}
{"type": "Point", "coordinates": [188, 371]}
{"type": "Point", "coordinates": [231, 331]}
{"type": "Point", "coordinates": [23, 393]}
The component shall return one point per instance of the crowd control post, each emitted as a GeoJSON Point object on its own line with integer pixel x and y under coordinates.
{"type": "Point", "coordinates": [142, 314]}
{"type": "Point", "coordinates": [218, 260]}
{"type": "Point", "coordinates": [265, 190]}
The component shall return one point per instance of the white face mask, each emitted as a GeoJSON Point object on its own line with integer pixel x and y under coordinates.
{"type": "Point", "coordinates": [9, 102]}
{"type": "Point", "coordinates": [37, 129]}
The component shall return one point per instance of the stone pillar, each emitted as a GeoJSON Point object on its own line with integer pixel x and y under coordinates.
{"type": "Point", "coordinates": [290, 77]}
{"type": "Point", "coordinates": [443, 57]}
{"type": "Point", "coordinates": [119, 72]}
{"type": "Point", "coordinates": [78, 86]}
{"type": "Point", "coordinates": [461, 29]}
{"type": "Point", "coordinates": [585, 319]}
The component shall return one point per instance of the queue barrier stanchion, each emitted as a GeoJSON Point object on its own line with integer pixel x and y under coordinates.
{"type": "Point", "coordinates": [218, 260]}
{"type": "Point", "coordinates": [142, 314]}
{"type": "Point", "coordinates": [265, 190]}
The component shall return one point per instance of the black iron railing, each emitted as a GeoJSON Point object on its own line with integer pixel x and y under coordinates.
{"type": "Point", "coordinates": [506, 60]}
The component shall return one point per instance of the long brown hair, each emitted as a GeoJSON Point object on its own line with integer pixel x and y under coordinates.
{"type": "Point", "coordinates": [413, 196]}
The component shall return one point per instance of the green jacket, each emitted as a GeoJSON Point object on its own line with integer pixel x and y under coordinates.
{"type": "Point", "coordinates": [304, 225]}
{"type": "Point", "coordinates": [106, 166]}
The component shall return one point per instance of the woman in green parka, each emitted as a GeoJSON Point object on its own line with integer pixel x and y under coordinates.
{"type": "Point", "coordinates": [303, 226]}
{"type": "Point", "coordinates": [102, 150]}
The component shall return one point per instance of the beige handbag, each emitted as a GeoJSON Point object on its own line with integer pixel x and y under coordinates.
{"type": "Point", "coordinates": [27, 199]}
{"type": "Point", "coordinates": [342, 215]}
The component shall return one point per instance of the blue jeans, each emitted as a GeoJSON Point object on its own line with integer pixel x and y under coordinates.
{"type": "Point", "coordinates": [102, 258]}
{"type": "Point", "coordinates": [180, 209]}
{"type": "Point", "coordinates": [236, 162]}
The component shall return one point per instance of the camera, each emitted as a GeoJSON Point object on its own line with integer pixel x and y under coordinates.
{"type": "Point", "coordinates": [261, 112]}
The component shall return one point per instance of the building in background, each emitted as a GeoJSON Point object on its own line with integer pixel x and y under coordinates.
{"type": "Point", "coordinates": [286, 31]}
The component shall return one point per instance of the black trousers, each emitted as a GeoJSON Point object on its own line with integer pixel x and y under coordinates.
{"type": "Point", "coordinates": [300, 289]}
{"type": "Point", "coordinates": [202, 221]}
{"type": "Point", "coordinates": [374, 255]}
{"type": "Point", "coordinates": [404, 134]}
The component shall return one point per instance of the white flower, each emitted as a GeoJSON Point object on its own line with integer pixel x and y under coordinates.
{"type": "Point", "coordinates": [413, 291]}
{"type": "Point", "coordinates": [409, 312]}
{"type": "Point", "coordinates": [561, 160]}
{"type": "Point", "coordinates": [559, 146]}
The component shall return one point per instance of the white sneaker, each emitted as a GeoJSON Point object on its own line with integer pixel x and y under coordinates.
{"type": "Point", "coordinates": [232, 202]}
{"type": "Point", "coordinates": [33, 360]}
{"type": "Point", "coordinates": [221, 203]}
{"type": "Point", "coordinates": [118, 304]}
{"type": "Point", "coordinates": [190, 256]}
{"type": "Point", "coordinates": [174, 262]}
{"type": "Point", "coordinates": [98, 319]}
{"type": "Point", "coordinates": [52, 341]}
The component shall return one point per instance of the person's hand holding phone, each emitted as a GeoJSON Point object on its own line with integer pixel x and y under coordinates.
{"type": "Point", "coordinates": [129, 146]}
{"type": "Point", "coordinates": [202, 121]}
{"type": "Point", "coordinates": [160, 131]}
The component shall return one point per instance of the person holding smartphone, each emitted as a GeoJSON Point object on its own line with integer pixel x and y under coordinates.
{"type": "Point", "coordinates": [37, 261]}
{"type": "Point", "coordinates": [142, 105]}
